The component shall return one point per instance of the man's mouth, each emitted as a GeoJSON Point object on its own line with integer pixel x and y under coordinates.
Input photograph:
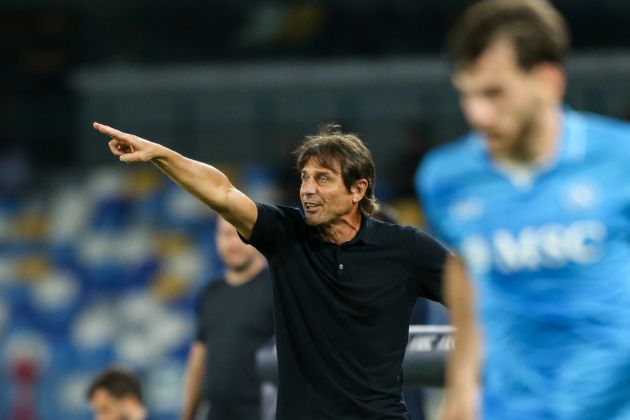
{"type": "Point", "coordinates": [311, 206]}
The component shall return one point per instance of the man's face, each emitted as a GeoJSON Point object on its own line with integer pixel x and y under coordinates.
{"type": "Point", "coordinates": [107, 407]}
{"type": "Point", "coordinates": [324, 196]}
{"type": "Point", "coordinates": [235, 254]}
{"type": "Point", "coordinates": [501, 100]}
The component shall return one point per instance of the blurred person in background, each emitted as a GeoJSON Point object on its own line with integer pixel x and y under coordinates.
{"type": "Point", "coordinates": [344, 284]}
{"type": "Point", "coordinates": [535, 203]}
{"type": "Point", "coordinates": [16, 170]}
{"type": "Point", "coordinates": [116, 394]}
{"type": "Point", "coordinates": [234, 319]}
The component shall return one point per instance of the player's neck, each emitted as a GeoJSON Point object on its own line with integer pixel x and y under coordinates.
{"type": "Point", "coordinates": [548, 136]}
{"type": "Point", "coordinates": [238, 277]}
{"type": "Point", "coordinates": [542, 141]}
{"type": "Point", "coordinates": [343, 229]}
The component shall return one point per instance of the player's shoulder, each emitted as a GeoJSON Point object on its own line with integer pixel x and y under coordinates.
{"type": "Point", "coordinates": [451, 161]}
{"type": "Point", "coordinates": [605, 123]}
{"type": "Point", "coordinates": [603, 132]}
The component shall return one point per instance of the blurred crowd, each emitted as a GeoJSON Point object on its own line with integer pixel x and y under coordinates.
{"type": "Point", "coordinates": [97, 268]}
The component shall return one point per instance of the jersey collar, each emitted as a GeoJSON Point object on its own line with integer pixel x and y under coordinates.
{"type": "Point", "coordinates": [571, 147]}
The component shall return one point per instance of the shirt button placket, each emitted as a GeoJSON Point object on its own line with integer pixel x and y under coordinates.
{"type": "Point", "coordinates": [339, 255]}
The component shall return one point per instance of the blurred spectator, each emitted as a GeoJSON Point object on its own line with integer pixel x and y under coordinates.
{"type": "Point", "coordinates": [15, 170]}
{"type": "Point", "coordinates": [116, 394]}
{"type": "Point", "coordinates": [15, 167]}
{"type": "Point", "coordinates": [234, 319]}
{"type": "Point", "coordinates": [24, 375]}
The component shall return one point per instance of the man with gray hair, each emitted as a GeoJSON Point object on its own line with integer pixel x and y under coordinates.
{"type": "Point", "coordinates": [344, 284]}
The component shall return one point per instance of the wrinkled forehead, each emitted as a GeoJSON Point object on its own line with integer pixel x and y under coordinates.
{"type": "Point", "coordinates": [317, 163]}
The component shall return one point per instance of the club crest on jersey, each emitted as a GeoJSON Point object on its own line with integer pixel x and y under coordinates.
{"type": "Point", "coordinates": [579, 196]}
{"type": "Point", "coordinates": [467, 209]}
{"type": "Point", "coordinates": [533, 248]}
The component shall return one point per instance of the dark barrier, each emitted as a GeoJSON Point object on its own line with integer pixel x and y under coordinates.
{"type": "Point", "coordinates": [423, 365]}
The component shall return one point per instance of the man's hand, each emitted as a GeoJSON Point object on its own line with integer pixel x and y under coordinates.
{"type": "Point", "coordinates": [127, 147]}
{"type": "Point", "coordinates": [205, 182]}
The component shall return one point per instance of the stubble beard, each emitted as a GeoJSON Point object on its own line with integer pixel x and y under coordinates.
{"type": "Point", "coordinates": [522, 149]}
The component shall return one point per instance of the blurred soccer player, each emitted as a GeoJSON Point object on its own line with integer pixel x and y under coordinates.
{"type": "Point", "coordinates": [536, 203]}
{"type": "Point", "coordinates": [344, 284]}
{"type": "Point", "coordinates": [234, 319]}
{"type": "Point", "coordinates": [116, 394]}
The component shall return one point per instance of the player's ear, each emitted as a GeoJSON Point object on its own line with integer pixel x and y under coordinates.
{"type": "Point", "coordinates": [552, 80]}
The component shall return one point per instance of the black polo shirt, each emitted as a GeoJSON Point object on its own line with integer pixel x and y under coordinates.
{"type": "Point", "coordinates": [233, 322]}
{"type": "Point", "coordinates": [342, 313]}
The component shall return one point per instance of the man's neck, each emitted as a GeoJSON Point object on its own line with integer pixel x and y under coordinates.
{"type": "Point", "coordinates": [235, 277]}
{"type": "Point", "coordinates": [341, 231]}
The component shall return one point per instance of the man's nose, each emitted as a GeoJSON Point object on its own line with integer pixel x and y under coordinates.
{"type": "Point", "coordinates": [307, 187]}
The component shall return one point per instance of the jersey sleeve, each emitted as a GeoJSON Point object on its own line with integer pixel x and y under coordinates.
{"type": "Point", "coordinates": [427, 189]}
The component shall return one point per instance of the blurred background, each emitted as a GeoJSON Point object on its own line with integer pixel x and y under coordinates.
{"type": "Point", "coordinates": [100, 262]}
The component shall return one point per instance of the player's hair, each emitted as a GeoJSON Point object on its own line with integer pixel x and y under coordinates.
{"type": "Point", "coordinates": [535, 28]}
{"type": "Point", "coordinates": [330, 146]}
{"type": "Point", "coordinates": [118, 382]}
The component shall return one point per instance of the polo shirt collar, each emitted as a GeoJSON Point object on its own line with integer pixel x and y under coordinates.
{"type": "Point", "coordinates": [366, 234]}
{"type": "Point", "coordinates": [571, 147]}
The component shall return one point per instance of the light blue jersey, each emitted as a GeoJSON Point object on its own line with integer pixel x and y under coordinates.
{"type": "Point", "coordinates": [549, 255]}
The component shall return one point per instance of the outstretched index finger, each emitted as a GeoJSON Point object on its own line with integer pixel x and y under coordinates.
{"type": "Point", "coordinates": [112, 132]}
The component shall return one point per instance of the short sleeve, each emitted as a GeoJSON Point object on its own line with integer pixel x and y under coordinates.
{"type": "Point", "coordinates": [429, 256]}
{"type": "Point", "coordinates": [274, 227]}
{"type": "Point", "coordinates": [198, 313]}
{"type": "Point", "coordinates": [429, 198]}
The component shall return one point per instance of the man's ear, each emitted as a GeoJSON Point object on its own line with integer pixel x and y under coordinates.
{"type": "Point", "coordinates": [358, 190]}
